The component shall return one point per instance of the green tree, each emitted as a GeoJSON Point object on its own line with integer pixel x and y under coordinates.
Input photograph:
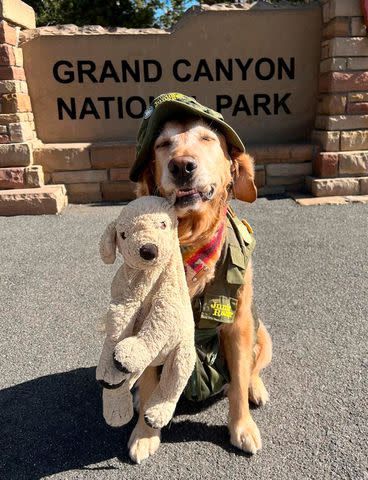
{"type": "Point", "coordinates": [110, 13]}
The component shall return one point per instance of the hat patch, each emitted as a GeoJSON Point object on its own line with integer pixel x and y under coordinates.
{"type": "Point", "coordinates": [148, 112]}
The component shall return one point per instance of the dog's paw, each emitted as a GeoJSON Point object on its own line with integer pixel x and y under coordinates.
{"type": "Point", "coordinates": [244, 434]}
{"type": "Point", "coordinates": [257, 392]}
{"type": "Point", "coordinates": [159, 415]}
{"type": "Point", "coordinates": [143, 443]}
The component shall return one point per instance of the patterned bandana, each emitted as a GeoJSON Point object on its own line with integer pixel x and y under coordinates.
{"type": "Point", "coordinates": [198, 259]}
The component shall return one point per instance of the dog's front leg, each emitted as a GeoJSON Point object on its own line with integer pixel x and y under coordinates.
{"type": "Point", "coordinates": [238, 339]}
{"type": "Point", "coordinates": [144, 440]}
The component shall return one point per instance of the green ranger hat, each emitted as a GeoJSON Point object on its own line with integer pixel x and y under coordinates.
{"type": "Point", "coordinates": [166, 106]}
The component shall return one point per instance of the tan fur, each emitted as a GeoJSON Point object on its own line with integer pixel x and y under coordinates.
{"type": "Point", "coordinates": [233, 174]}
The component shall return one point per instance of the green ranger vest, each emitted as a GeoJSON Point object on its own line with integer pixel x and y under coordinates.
{"type": "Point", "coordinates": [217, 305]}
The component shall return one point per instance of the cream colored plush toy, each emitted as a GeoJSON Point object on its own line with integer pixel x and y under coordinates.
{"type": "Point", "coordinates": [150, 319]}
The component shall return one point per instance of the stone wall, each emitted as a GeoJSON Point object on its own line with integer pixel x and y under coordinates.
{"type": "Point", "coordinates": [22, 189]}
{"type": "Point", "coordinates": [341, 127]}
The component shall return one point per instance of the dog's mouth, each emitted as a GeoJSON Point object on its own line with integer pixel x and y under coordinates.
{"type": "Point", "coordinates": [189, 196]}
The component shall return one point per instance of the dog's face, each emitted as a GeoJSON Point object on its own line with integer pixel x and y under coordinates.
{"type": "Point", "coordinates": [192, 167]}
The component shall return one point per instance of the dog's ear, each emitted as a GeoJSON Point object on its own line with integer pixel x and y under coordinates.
{"type": "Point", "coordinates": [242, 172]}
{"type": "Point", "coordinates": [108, 244]}
{"type": "Point", "coordinates": [146, 184]}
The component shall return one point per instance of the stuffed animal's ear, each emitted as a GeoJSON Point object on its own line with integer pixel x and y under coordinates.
{"type": "Point", "coordinates": [108, 244]}
{"type": "Point", "coordinates": [243, 176]}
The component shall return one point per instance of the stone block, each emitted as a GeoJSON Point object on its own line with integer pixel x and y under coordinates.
{"type": "Point", "coordinates": [7, 118]}
{"type": "Point", "coordinates": [345, 8]}
{"type": "Point", "coordinates": [363, 186]}
{"type": "Point", "coordinates": [112, 155]}
{"type": "Point", "coordinates": [4, 138]}
{"type": "Point", "coordinates": [11, 86]}
{"type": "Point", "coordinates": [18, 13]}
{"type": "Point", "coordinates": [358, 29]}
{"type": "Point", "coordinates": [341, 122]}
{"type": "Point", "coordinates": [284, 180]}
{"type": "Point", "coordinates": [49, 199]}
{"type": "Point", "coordinates": [357, 198]}
{"type": "Point", "coordinates": [329, 141]}
{"type": "Point", "coordinates": [7, 56]}
{"type": "Point", "coordinates": [80, 176]}
{"type": "Point", "coordinates": [15, 102]}
{"type": "Point", "coordinates": [357, 108]}
{"type": "Point", "coordinates": [118, 191]}
{"type": "Point", "coordinates": [343, 82]}
{"type": "Point", "coordinates": [334, 186]}
{"type": "Point", "coordinates": [63, 156]}
{"type": "Point", "coordinates": [18, 53]}
{"type": "Point", "coordinates": [337, 27]}
{"type": "Point", "coordinates": [12, 73]}
{"type": "Point", "coordinates": [119, 174]}
{"type": "Point", "coordinates": [11, 177]}
{"type": "Point", "coordinates": [314, 201]}
{"type": "Point", "coordinates": [332, 65]}
{"type": "Point", "coordinates": [20, 132]}
{"type": "Point", "coordinates": [348, 47]}
{"type": "Point", "coordinates": [353, 163]}
{"type": "Point", "coordinates": [16, 154]}
{"type": "Point", "coordinates": [260, 177]}
{"type": "Point", "coordinates": [325, 165]}
{"type": "Point", "coordinates": [34, 176]}
{"type": "Point", "coordinates": [8, 34]}
{"type": "Point", "coordinates": [358, 97]}
{"type": "Point", "coordinates": [288, 169]}
{"type": "Point", "coordinates": [355, 140]}
{"type": "Point", "coordinates": [271, 190]}
{"type": "Point", "coordinates": [301, 152]}
{"type": "Point", "coordinates": [331, 104]}
{"type": "Point", "coordinates": [269, 153]}
{"type": "Point", "coordinates": [84, 192]}
{"type": "Point", "coordinates": [358, 63]}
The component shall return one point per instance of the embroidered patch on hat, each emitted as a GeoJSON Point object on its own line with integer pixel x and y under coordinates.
{"type": "Point", "coordinates": [148, 112]}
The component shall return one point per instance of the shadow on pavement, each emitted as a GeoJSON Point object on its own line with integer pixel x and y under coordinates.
{"type": "Point", "coordinates": [53, 424]}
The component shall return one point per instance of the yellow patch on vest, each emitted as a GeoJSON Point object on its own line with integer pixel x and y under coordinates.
{"type": "Point", "coordinates": [220, 310]}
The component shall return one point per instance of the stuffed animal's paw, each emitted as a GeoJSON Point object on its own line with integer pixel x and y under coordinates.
{"type": "Point", "coordinates": [130, 356]}
{"type": "Point", "coordinates": [159, 415]}
{"type": "Point", "coordinates": [117, 406]}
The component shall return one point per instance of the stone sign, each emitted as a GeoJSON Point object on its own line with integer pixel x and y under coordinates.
{"type": "Point", "coordinates": [257, 66]}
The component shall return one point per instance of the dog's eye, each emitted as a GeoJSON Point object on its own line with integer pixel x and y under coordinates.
{"type": "Point", "coordinates": [206, 138]}
{"type": "Point", "coordinates": [163, 225]}
{"type": "Point", "coordinates": [123, 236]}
{"type": "Point", "coordinates": [164, 144]}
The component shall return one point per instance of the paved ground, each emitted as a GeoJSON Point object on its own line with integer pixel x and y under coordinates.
{"type": "Point", "coordinates": [311, 288]}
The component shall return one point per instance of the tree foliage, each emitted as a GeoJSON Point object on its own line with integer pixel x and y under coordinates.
{"type": "Point", "coordinates": [110, 13]}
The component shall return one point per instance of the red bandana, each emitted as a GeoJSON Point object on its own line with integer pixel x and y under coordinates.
{"type": "Point", "coordinates": [197, 259]}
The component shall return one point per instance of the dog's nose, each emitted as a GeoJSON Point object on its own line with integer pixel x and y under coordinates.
{"type": "Point", "coordinates": [149, 251]}
{"type": "Point", "coordinates": [182, 167]}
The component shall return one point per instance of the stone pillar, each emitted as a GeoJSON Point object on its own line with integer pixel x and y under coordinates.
{"type": "Point", "coordinates": [341, 127]}
{"type": "Point", "coordinates": [22, 189]}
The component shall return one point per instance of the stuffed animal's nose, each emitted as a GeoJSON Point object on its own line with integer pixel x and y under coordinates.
{"type": "Point", "coordinates": [149, 251]}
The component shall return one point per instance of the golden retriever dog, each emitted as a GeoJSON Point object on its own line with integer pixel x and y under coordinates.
{"type": "Point", "coordinates": [192, 166]}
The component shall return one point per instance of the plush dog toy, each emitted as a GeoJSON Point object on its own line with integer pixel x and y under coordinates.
{"type": "Point", "coordinates": [150, 320]}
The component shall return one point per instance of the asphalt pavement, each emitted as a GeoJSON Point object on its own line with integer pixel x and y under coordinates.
{"type": "Point", "coordinates": [311, 284]}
